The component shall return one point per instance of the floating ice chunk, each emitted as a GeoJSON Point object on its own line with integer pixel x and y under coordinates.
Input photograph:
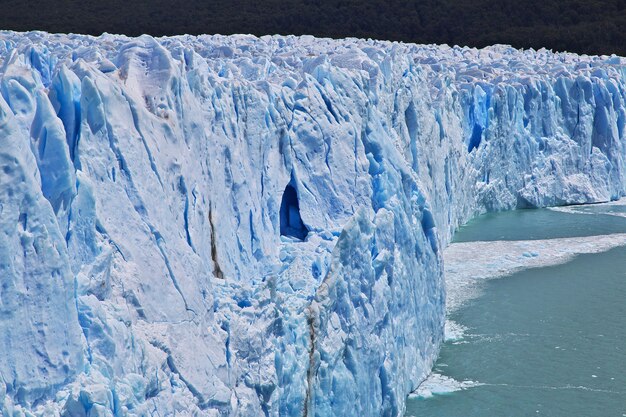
{"type": "Point", "coordinates": [437, 384]}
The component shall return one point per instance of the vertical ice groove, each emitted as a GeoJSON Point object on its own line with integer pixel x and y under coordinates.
{"type": "Point", "coordinates": [151, 253]}
{"type": "Point", "coordinates": [133, 112]}
{"type": "Point", "coordinates": [53, 158]}
{"type": "Point", "coordinates": [65, 97]}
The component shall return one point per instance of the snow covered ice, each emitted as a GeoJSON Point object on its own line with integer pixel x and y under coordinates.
{"type": "Point", "coordinates": [253, 226]}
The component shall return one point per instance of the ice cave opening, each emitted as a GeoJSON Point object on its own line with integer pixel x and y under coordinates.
{"type": "Point", "coordinates": [290, 221]}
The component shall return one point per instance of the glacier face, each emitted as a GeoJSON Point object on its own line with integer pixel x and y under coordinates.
{"type": "Point", "coordinates": [252, 226]}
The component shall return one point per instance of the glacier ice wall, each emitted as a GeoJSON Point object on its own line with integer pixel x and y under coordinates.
{"type": "Point", "coordinates": [251, 226]}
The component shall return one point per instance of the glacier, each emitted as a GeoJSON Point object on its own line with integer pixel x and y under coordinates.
{"type": "Point", "coordinates": [242, 226]}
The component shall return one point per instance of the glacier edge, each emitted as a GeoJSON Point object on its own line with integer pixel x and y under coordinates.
{"type": "Point", "coordinates": [144, 271]}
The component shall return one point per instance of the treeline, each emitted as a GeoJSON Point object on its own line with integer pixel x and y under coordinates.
{"type": "Point", "coordinates": [582, 26]}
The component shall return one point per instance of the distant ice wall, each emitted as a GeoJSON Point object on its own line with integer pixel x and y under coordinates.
{"type": "Point", "coordinates": [240, 226]}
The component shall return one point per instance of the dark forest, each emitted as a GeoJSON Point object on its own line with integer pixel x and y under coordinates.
{"type": "Point", "coordinates": [592, 27]}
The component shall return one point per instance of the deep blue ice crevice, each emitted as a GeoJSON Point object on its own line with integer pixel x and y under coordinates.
{"type": "Point", "coordinates": [478, 117]}
{"type": "Point", "coordinates": [65, 92]}
{"type": "Point", "coordinates": [53, 158]}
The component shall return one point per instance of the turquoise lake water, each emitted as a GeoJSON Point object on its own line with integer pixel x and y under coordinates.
{"type": "Point", "coordinates": [549, 341]}
{"type": "Point", "coordinates": [544, 224]}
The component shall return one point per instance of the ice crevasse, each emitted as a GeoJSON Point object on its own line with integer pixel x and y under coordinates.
{"type": "Point", "coordinates": [242, 226]}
